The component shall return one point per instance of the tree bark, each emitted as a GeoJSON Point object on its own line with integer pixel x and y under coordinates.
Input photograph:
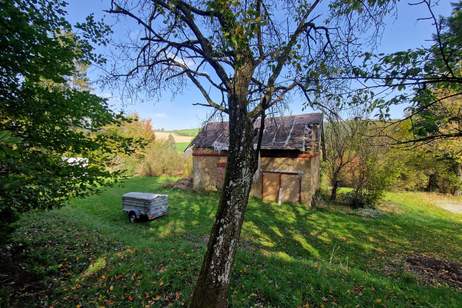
{"type": "Point", "coordinates": [212, 285]}
{"type": "Point", "coordinates": [333, 192]}
{"type": "Point", "coordinates": [335, 182]}
{"type": "Point", "coordinates": [457, 191]}
{"type": "Point", "coordinates": [432, 183]}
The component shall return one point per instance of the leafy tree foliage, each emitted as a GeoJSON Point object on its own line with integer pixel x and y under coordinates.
{"type": "Point", "coordinates": [50, 148]}
{"type": "Point", "coordinates": [153, 157]}
{"type": "Point", "coordinates": [427, 79]}
{"type": "Point", "coordinates": [370, 172]}
{"type": "Point", "coordinates": [141, 132]}
{"type": "Point", "coordinates": [433, 165]}
{"type": "Point", "coordinates": [357, 156]}
{"type": "Point", "coordinates": [342, 139]}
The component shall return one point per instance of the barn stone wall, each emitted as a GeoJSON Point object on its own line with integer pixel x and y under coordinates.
{"type": "Point", "coordinates": [208, 170]}
{"type": "Point", "coordinates": [209, 167]}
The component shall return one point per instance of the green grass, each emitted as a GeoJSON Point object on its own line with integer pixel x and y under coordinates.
{"type": "Point", "coordinates": [181, 146]}
{"type": "Point", "coordinates": [88, 254]}
{"type": "Point", "coordinates": [189, 132]}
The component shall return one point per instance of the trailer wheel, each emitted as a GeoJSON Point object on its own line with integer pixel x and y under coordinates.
{"type": "Point", "coordinates": [132, 217]}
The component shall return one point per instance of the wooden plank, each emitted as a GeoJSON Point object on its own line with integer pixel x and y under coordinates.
{"type": "Point", "coordinates": [279, 189]}
{"type": "Point", "coordinates": [270, 186]}
{"type": "Point", "coordinates": [283, 172]}
{"type": "Point", "coordinates": [300, 189]}
{"type": "Point", "coordinates": [263, 153]}
{"type": "Point", "coordinates": [261, 180]}
{"type": "Point", "coordinates": [290, 188]}
{"type": "Point", "coordinates": [216, 154]}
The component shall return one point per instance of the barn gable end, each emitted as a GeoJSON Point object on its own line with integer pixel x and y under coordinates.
{"type": "Point", "coordinates": [289, 161]}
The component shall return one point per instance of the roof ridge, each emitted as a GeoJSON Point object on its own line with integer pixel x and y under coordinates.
{"type": "Point", "coordinates": [278, 117]}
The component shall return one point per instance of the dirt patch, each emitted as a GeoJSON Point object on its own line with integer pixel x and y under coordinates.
{"type": "Point", "coordinates": [434, 271]}
{"type": "Point", "coordinates": [368, 213]}
{"type": "Point", "coordinates": [184, 184]}
{"type": "Point", "coordinates": [389, 208]}
{"type": "Point", "coordinates": [450, 206]}
{"type": "Point", "coordinates": [362, 212]}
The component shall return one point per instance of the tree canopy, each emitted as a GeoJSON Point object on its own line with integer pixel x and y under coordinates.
{"type": "Point", "coordinates": [50, 148]}
{"type": "Point", "coordinates": [427, 80]}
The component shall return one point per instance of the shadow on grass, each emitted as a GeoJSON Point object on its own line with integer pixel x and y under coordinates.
{"type": "Point", "coordinates": [289, 255]}
{"type": "Point", "coordinates": [287, 228]}
{"type": "Point", "coordinates": [80, 268]}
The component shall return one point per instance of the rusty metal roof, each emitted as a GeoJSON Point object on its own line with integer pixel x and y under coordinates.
{"type": "Point", "coordinates": [281, 133]}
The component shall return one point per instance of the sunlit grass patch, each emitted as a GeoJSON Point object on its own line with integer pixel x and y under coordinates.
{"type": "Point", "coordinates": [96, 266]}
{"type": "Point", "coordinates": [289, 255]}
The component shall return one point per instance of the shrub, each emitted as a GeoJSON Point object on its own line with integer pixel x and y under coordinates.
{"type": "Point", "coordinates": [363, 198]}
{"type": "Point", "coordinates": [162, 158]}
{"type": "Point", "coordinates": [139, 130]}
{"type": "Point", "coordinates": [371, 177]}
{"type": "Point", "coordinates": [153, 157]}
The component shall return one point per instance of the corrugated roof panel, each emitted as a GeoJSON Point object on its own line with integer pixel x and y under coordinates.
{"type": "Point", "coordinates": [291, 132]}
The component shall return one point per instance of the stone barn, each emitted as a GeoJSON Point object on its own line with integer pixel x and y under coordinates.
{"type": "Point", "coordinates": [289, 163]}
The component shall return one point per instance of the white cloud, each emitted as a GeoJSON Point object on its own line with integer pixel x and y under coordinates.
{"type": "Point", "coordinates": [185, 61]}
{"type": "Point", "coordinates": [160, 115]}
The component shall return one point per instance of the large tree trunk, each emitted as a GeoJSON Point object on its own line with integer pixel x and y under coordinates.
{"type": "Point", "coordinates": [212, 285]}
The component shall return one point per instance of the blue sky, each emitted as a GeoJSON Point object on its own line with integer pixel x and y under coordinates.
{"type": "Point", "coordinates": [402, 31]}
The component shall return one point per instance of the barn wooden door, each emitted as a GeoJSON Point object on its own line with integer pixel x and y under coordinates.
{"type": "Point", "coordinates": [290, 188]}
{"type": "Point", "coordinates": [270, 186]}
{"type": "Point", "coordinates": [278, 186]}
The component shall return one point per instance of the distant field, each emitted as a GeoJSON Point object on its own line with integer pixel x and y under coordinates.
{"type": "Point", "coordinates": [178, 138]}
{"type": "Point", "coordinates": [190, 132]}
{"type": "Point", "coordinates": [181, 141]}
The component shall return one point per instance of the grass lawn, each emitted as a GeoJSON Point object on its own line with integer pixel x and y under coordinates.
{"type": "Point", "coordinates": [88, 254]}
{"type": "Point", "coordinates": [181, 146]}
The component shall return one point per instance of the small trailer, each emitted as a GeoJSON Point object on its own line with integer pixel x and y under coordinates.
{"type": "Point", "coordinates": [139, 205]}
